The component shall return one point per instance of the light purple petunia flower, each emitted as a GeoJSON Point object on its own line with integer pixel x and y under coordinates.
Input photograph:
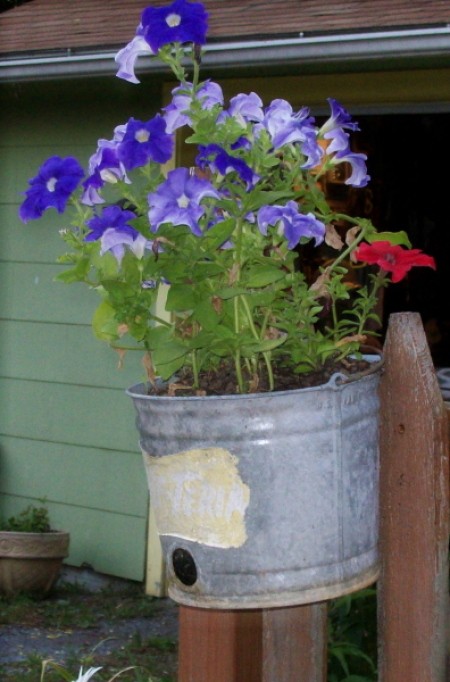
{"type": "Point", "coordinates": [104, 167]}
{"type": "Point", "coordinates": [178, 200]}
{"type": "Point", "coordinates": [246, 107]}
{"type": "Point", "coordinates": [114, 232]}
{"type": "Point", "coordinates": [145, 141]}
{"type": "Point", "coordinates": [291, 223]}
{"type": "Point", "coordinates": [285, 127]}
{"type": "Point", "coordinates": [127, 56]}
{"type": "Point", "coordinates": [52, 187]}
{"type": "Point", "coordinates": [209, 94]}
{"type": "Point", "coordinates": [358, 177]}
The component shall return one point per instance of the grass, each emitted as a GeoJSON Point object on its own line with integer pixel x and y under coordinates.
{"type": "Point", "coordinates": [71, 609]}
{"type": "Point", "coordinates": [351, 623]}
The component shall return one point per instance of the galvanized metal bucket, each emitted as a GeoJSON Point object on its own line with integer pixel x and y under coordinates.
{"type": "Point", "coordinates": [265, 500]}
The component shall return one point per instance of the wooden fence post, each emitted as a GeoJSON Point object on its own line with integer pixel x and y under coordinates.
{"type": "Point", "coordinates": [414, 518]}
{"type": "Point", "coordinates": [260, 645]}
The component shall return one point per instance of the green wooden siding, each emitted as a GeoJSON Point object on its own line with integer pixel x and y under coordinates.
{"type": "Point", "coordinates": [66, 426]}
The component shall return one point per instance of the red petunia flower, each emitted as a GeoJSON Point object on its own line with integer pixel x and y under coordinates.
{"type": "Point", "coordinates": [393, 258]}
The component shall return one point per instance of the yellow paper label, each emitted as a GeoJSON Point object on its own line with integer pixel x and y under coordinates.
{"type": "Point", "coordinates": [198, 495]}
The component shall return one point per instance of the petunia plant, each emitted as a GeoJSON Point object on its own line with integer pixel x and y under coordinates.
{"type": "Point", "coordinates": [225, 238]}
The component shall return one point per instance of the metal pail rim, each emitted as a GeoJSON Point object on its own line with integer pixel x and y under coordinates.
{"type": "Point", "coordinates": [336, 382]}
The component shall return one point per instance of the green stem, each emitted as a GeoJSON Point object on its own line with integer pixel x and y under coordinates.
{"type": "Point", "coordinates": [268, 361]}
{"type": "Point", "coordinates": [195, 74]}
{"type": "Point", "coordinates": [265, 354]}
{"type": "Point", "coordinates": [236, 312]}
{"type": "Point", "coordinates": [351, 247]}
{"type": "Point", "coordinates": [239, 377]}
{"type": "Point", "coordinates": [249, 316]}
{"type": "Point", "coordinates": [379, 281]}
{"type": "Point", "coordinates": [195, 368]}
{"type": "Point", "coordinates": [160, 320]}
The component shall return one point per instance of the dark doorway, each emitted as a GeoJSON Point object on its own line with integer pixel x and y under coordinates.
{"type": "Point", "coordinates": [408, 160]}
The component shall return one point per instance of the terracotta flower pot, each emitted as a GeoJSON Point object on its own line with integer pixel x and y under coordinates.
{"type": "Point", "coordinates": [31, 562]}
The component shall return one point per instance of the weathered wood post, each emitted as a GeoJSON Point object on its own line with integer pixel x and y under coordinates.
{"type": "Point", "coordinates": [414, 485]}
{"type": "Point", "coordinates": [260, 645]}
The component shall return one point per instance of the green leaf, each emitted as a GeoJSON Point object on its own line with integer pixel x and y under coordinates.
{"type": "Point", "coordinates": [180, 297]}
{"type": "Point", "coordinates": [230, 292]}
{"type": "Point", "coordinates": [262, 198]}
{"type": "Point", "coordinates": [104, 323]}
{"type": "Point", "coordinates": [206, 316]}
{"type": "Point", "coordinates": [219, 233]}
{"type": "Point", "coordinates": [392, 237]}
{"type": "Point", "coordinates": [340, 655]}
{"type": "Point", "coordinates": [168, 352]}
{"type": "Point", "coordinates": [205, 270]}
{"type": "Point", "coordinates": [157, 336]}
{"type": "Point", "coordinates": [249, 349]}
{"type": "Point", "coordinates": [106, 264]}
{"type": "Point", "coordinates": [168, 369]}
{"type": "Point", "coordinates": [76, 274]}
{"type": "Point", "coordinates": [263, 276]}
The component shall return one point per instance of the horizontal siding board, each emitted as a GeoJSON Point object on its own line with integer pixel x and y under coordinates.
{"type": "Point", "coordinates": [90, 417]}
{"type": "Point", "coordinates": [106, 480]}
{"type": "Point", "coordinates": [109, 543]}
{"type": "Point", "coordinates": [29, 292]}
{"type": "Point", "coordinates": [32, 242]}
{"type": "Point", "coordinates": [59, 107]}
{"type": "Point", "coordinates": [64, 353]}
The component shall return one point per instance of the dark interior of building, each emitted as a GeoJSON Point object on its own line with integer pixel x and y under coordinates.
{"type": "Point", "coordinates": [408, 156]}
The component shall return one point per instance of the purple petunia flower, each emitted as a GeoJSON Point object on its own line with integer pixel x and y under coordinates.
{"type": "Point", "coordinates": [177, 114]}
{"type": "Point", "coordinates": [284, 127]}
{"type": "Point", "coordinates": [179, 22]}
{"type": "Point", "coordinates": [56, 180]}
{"type": "Point", "coordinates": [335, 126]}
{"type": "Point", "coordinates": [104, 167]}
{"type": "Point", "coordinates": [358, 177]}
{"type": "Point", "coordinates": [340, 118]}
{"type": "Point", "coordinates": [178, 199]}
{"type": "Point", "coordinates": [114, 232]}
{"type": "Point", "coordinates": [145, 141]}
{"type": "Point", "coordinates": [219, 161]}
{"type": "Point", "coordinates": [246, 107]}
{"type": "Point", "coordinates": [291, 223]}
{"type": "Point", "coordinates": [126, 58]}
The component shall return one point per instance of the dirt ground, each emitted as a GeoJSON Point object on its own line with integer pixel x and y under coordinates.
{"type": "Point", "coordinates": [18, 642]}
{"type": "Point", "coordinates": [111, 626]}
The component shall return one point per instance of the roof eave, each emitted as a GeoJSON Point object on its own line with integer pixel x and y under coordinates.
{"type": "Point", "coordinates": [318, 51]}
